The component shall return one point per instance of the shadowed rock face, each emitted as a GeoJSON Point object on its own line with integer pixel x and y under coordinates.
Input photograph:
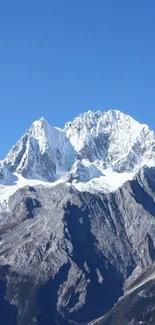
{"type": "Point", "coordinates": [8, 312]}
{"type": "Point", "coordinates": [137, 306]}
{"type": "Point", "coordinates": [47, 298]}
{"type": "Point", "coordinates": [69, 253]}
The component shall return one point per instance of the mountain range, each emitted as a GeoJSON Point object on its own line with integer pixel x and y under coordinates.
{"type": "Point", "coordinates": [77, 223]}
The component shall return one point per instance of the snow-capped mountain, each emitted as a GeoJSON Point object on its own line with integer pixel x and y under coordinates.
{"type": "Point", "coordinates": [77, 222]}
{"type": "Point", "coordinates": [95, 152]}
{"type": "Point", "coordinates": [94, 140]}
{"type": "Point", "coordinates": [66, 256]}
{"type": "Point", "coordinates": [114, 139]}
{"type": "Point", "coordinates": [44, 152]}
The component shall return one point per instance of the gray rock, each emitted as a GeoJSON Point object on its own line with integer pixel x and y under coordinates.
{"type": "Point", "coordinates": [69, 254]}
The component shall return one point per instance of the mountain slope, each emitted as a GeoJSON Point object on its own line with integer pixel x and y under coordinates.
{"type": "Point", "coordinates": [43, 152]}
{"type": "Point", "coordinates": [77, 221]}
{"type": "Point", "coordinates": [102, 141]}
{"type": "Point", "coordinates": [137, 306]}
{"type": "Point", "coordinates": [113, 138]}
{"type": "Point", "coordinates": [75, 249]}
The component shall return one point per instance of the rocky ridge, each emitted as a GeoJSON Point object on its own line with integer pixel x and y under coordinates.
{"type": "Point", "coordinates": [67, 254]}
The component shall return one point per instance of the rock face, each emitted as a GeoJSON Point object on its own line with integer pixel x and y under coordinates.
{"type": "Point", "coordinates": [113, 138]}
{"type": "Point", "coordinates": [137, 305]}
{"type": "Point", "coordinates": [68, 255]}
{"type": "Point", "coordinates": [104, 140]}
{"type": "Point", "coordinates": [44, 152]}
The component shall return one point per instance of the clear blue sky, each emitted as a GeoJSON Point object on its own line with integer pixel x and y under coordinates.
{"type": "Point", "coordinates": [61, 58]}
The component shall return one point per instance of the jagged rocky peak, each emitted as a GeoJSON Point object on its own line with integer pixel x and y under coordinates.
{"type": "Point", "coordinates": [43, 152]}
{"type": "Point", "coordinates": [70, 248]}
{"type": "Point", "coordinates": [46, 135]}
{"type": "Point", "coordinates": [113, 137]}
{"type": "Point", "coordinates": [107, 140]}
{"type": "Point", "coordinates": [84, 171]}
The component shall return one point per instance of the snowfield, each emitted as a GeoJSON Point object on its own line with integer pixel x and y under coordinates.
{"type": "Point", "coordinates": [95, 152]}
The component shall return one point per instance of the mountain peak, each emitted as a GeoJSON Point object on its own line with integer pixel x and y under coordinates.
{"type": "Point", "coordinates": [42, 119]}
{"type": "Point", "coordinates": [41, 123]}
{"type": "Point", "coordinates": [109, 139]}
{"type": "Point", "coordinates": [44, 152]}
{"type": "Point", "coordinates": [112, 137]}
{"type": "Point", "coordinates": [93, 117]}
{"type": "Point", "coordinates": [114, 113]}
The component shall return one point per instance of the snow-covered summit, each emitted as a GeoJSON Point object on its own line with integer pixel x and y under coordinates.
{"type": "Point", "coordinates": [88, 146]}
{"type": "Point", "coordinates": [112, 137]}
{"type": "Point", "coordinates": [44, 152]}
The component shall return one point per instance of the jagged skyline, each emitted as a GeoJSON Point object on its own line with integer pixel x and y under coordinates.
{"type": "Point", "coordinates": [58, 60]}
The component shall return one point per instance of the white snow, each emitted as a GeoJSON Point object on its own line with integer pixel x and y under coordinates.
{"type": "Point", "coordinates": [43, 150]}
{"type": "Point", "coordinates": [115, 180]}
{"type": "Point", "coordinates": [83, 170]}
{"type": "Point", "coordinates": [107, 183]}
{"type": "Point", "coordinates": [113, 137]}
{"type": "Point", "coordinates": [7, 190]}
{"type": "Point", "coordinates": [95, 152]}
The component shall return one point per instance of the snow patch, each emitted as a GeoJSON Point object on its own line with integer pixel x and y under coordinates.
{"type": "Point", "coordinates": [110, 182]}
{"type": "Point", "coordinates": [18, 182]}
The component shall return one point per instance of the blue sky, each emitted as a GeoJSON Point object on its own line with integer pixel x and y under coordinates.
{"type": "Point", "coordinates": [61, 58]}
